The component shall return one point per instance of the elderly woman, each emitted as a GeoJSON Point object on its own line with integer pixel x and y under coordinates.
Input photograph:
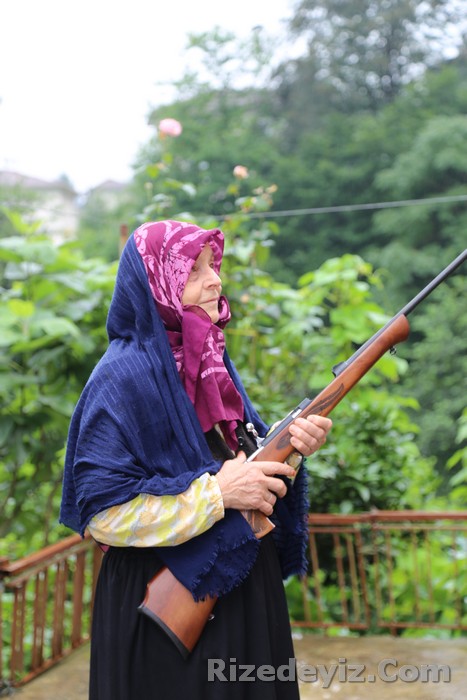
{"type": "Point", "coordinates": [156, 470]}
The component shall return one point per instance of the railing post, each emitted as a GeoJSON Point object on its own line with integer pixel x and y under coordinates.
{"type": "Point", "coordinates": [78, 591]}
{"type": "Point", "coordinates": [40, 604]}
{"type": "Point", "coordinates": [17, 632]}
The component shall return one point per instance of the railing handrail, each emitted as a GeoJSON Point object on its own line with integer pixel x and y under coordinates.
{"type": "Point", "coordinates": [385, 516]}
{"type": "Point", "coordinates": [43, 556]}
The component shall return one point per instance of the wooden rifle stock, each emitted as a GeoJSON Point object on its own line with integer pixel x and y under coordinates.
{"type": "Point", "coordinates": [167, 601]}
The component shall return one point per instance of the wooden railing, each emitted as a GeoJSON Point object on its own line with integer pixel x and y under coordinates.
{"type": "Point", "coordinates": [45, 607]}
{"type": "Point", "coordinates": [386, 570]}
{"type": "Point", "coordinates": [380, 571]}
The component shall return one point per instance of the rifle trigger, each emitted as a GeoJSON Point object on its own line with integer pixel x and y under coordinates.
{"type": "Point", "coordinates": [392, 351]}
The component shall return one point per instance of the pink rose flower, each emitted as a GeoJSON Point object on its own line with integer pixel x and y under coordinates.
{"type": "Point", "coordinates": [240, 172]}
{"type": "Point", "coordinates": [170, 127]}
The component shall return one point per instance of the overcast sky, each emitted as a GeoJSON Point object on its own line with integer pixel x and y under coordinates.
{"type": "Point", "coordinates": [77, 78]}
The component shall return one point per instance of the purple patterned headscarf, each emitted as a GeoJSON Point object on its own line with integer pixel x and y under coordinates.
{"type": "Point", "coordinates": [169, 249]}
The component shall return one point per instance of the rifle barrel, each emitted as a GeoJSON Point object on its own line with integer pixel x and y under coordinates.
{"type": "Point", "coordinates": [434, 283]}
{"type": "Point", "coordinates": [337, 369]}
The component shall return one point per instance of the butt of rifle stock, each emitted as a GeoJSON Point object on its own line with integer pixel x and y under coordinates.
{"type": "Point", "coordinates": [172, 607]}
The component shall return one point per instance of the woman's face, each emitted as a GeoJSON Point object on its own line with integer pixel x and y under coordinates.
{"type": "Point", "coordinates": [204, 286]}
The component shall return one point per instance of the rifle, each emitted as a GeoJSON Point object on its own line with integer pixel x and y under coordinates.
{"type": "Point", "coordinates": [167, 601]}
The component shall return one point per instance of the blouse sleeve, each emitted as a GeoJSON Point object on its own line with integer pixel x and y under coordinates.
{"type": "Point", "coordinates": [160, 521]}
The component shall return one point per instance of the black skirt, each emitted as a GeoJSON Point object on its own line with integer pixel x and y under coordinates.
{"type": "Point", "coordinates": [245, 652]}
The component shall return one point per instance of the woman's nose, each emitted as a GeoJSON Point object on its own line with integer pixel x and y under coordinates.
{"type": "Point", "coordinates": [213, 278]}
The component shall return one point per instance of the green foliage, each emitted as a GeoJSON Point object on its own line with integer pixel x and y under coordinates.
{"type": "Point", "coordinates": [424, 569]}
{"type": "Point", "coordinates": [102, 216]}
{"type": "Point", "coordinates": [15, 203]}
{"type": "Point", "coordinates": [434, 166]}
{"type": "Point", "coordinates": [416, 242]}
{"type": "Point", "coordinates": [458, 464]}
{"type": "Point", "coordinates": [285, 341]}
{"type": "Point", "coordinates": [438, 365]}
{"type": "Point", "coordinates": [52, 327]}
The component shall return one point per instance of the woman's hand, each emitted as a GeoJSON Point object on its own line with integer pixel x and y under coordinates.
{"type": "Point", "coordinates": [252, 485]}
{"type": "Point", "coordinates": [309, 434]}
{"type": "Point", "coordinates": [255, 485]}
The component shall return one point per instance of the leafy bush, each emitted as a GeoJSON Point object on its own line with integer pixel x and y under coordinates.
{"type": "Point", "coordinates": [52, 328]}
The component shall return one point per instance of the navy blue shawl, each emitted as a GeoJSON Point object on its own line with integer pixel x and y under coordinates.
{"type": "Point", "coordinates": [134, 430]}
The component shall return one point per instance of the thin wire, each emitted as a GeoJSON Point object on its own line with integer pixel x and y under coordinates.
{"type": "Point", "coordinates": [302, 212]}
{"type": "Point", "coordinates": [353, 207]}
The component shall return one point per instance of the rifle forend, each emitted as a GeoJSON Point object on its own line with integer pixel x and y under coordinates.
{"type": "Point", "coordinates": [277, 445]}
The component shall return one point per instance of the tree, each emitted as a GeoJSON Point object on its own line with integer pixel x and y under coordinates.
{"type": "Point", "coordinates": [437, 370]}
{"type": "Point", "coordinates": [227, 120]}
{"type": "Point", "coordinates": [433, 168]}
{"type": "Point", "coordinates": [367, 51]}
{"type": "Point", "coordinates": [361, 159]}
